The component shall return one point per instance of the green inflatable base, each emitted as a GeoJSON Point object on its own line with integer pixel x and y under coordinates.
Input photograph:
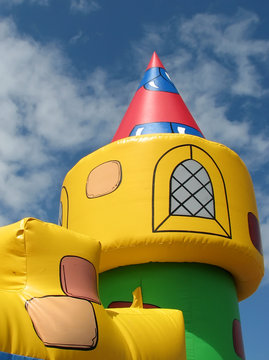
{"type": "Point", "coordinates": [205, 294]}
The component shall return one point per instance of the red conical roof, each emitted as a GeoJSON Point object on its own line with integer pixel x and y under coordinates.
{"type": "Point", "coordinates": [155, 62]}
{"type": "Point", "coordinates": [156, 107]}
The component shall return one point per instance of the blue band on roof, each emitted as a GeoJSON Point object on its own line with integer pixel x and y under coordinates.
{"type": "Point", "coordinates": [157, 79]}
{"type": "Point", "coordinates": [7, 356]}
{"type": "Point", "coordinates": [164, 127]}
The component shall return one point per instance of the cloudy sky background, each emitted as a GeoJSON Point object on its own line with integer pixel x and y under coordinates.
{"type": "Point", "coordinates": [68, 70]}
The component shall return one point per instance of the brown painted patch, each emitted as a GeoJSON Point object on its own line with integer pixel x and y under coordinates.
{"type": "Point", "coordinates": [62, 321]}
{"type": "Point", "coordinates": [126, 304]}
{"type": "Point", "coordinates": [238, 339]}
{"type": "Point", "coordinates": [254, 231]}
{"type": "Point", "coordinates": [78, 278]}
{"type": "Point", "coordinates": [103, 179]}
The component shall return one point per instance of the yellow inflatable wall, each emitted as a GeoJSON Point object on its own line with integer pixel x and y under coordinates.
{"type": "Point", "coordinates": [121, 195]}
{"type": "Point", "coordinates": [50, 308]}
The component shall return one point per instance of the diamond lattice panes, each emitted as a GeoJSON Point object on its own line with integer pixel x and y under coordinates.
{"type": "Point", "coordinates": [191, 191]}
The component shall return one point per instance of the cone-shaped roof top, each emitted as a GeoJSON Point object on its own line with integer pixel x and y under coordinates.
{"type": "Point", "coordinates": [155, 62]}
{"type": "Point", "coordinates": [157, 107]}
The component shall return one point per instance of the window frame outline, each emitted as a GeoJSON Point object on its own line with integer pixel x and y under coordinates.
{"type": "Point", "coordinates": [226, 233]}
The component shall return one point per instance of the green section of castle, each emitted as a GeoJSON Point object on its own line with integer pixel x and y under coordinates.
{"type": "Point", "coordinates": [205, 294]}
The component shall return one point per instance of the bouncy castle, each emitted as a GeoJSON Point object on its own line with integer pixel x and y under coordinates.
{"type": "Point", "coordinates": [158, 240]}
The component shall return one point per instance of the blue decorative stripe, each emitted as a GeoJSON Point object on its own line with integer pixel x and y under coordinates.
{"type": "Point", "coordinates": [7, 356]}
{"type": "Point", "coordinates": [157, 79]}
{"type": "Point", "coordinates": [164, 127]}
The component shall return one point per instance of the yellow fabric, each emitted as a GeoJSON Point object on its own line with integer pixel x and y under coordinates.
{"type": "Point", "coordinates": [137, 298]}
{"type": "Point", "coordinates": [12, 251]}
{"type": "Point", "coordinates": [151, 333]}
{"type": "Point", "coordinates": [30, 255]}
{"type": "Point", "coordinates": [133, 222]}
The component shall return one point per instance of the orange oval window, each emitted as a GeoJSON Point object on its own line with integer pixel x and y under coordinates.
{"type": "Point", "coordinates": [103, 179]}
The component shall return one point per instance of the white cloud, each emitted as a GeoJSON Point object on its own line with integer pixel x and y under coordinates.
{"type": "Point", "coordinates": [229, 40]}
{"type": "Point", "coordinates": [221, 61]}
{"type": "Point", "coordinates": [79, 37]}
{"type": "Point", "coordinates": [44, 111]}
{"type": "Point", "coordinates": [263, 200]}
{"type": "Point", "coordinates": [265, 235]}
{"type": "Point", "coordinates": [74, 39]}
{"type": "Point", "coordinates": [84, 6]}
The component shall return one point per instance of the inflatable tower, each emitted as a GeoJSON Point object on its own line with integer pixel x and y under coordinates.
{"type": "Point", "coordinates": [168, 219]}
{"type": "Point", "coordinates": [175, 214]}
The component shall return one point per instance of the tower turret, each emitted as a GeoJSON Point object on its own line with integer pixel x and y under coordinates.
{"type": "Point", "coordinates": [157, 107]}
{"type": "Point", "coordinates": [175, 213]}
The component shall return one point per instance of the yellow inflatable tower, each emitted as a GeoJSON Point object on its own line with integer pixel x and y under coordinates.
{"type": "Point", "coordinates": [162, 198]}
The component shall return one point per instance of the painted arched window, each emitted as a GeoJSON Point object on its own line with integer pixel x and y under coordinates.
{"type": "Point", "coordinates": [64, 208]}
{"type": "Point", "coordinates": [191, 191]}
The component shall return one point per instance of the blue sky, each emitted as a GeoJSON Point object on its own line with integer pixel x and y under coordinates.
{"type": "Point", "coordinates": [69, 69]}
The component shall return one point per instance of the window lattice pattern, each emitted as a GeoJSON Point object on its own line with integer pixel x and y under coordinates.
{"type": "Point", "coordinates": [191, 192]}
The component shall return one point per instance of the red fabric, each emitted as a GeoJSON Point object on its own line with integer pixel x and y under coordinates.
{"type": "Point", "coordinates": [126, 304]}
{"type": "Point", "coordinates": [155, 62]}
{"type": "Point", "coordinates": [254, 231]}
{"type": "Point", "coordinates": [154, 106]}
{"type": "Point", "coordinates": [238, 339]}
